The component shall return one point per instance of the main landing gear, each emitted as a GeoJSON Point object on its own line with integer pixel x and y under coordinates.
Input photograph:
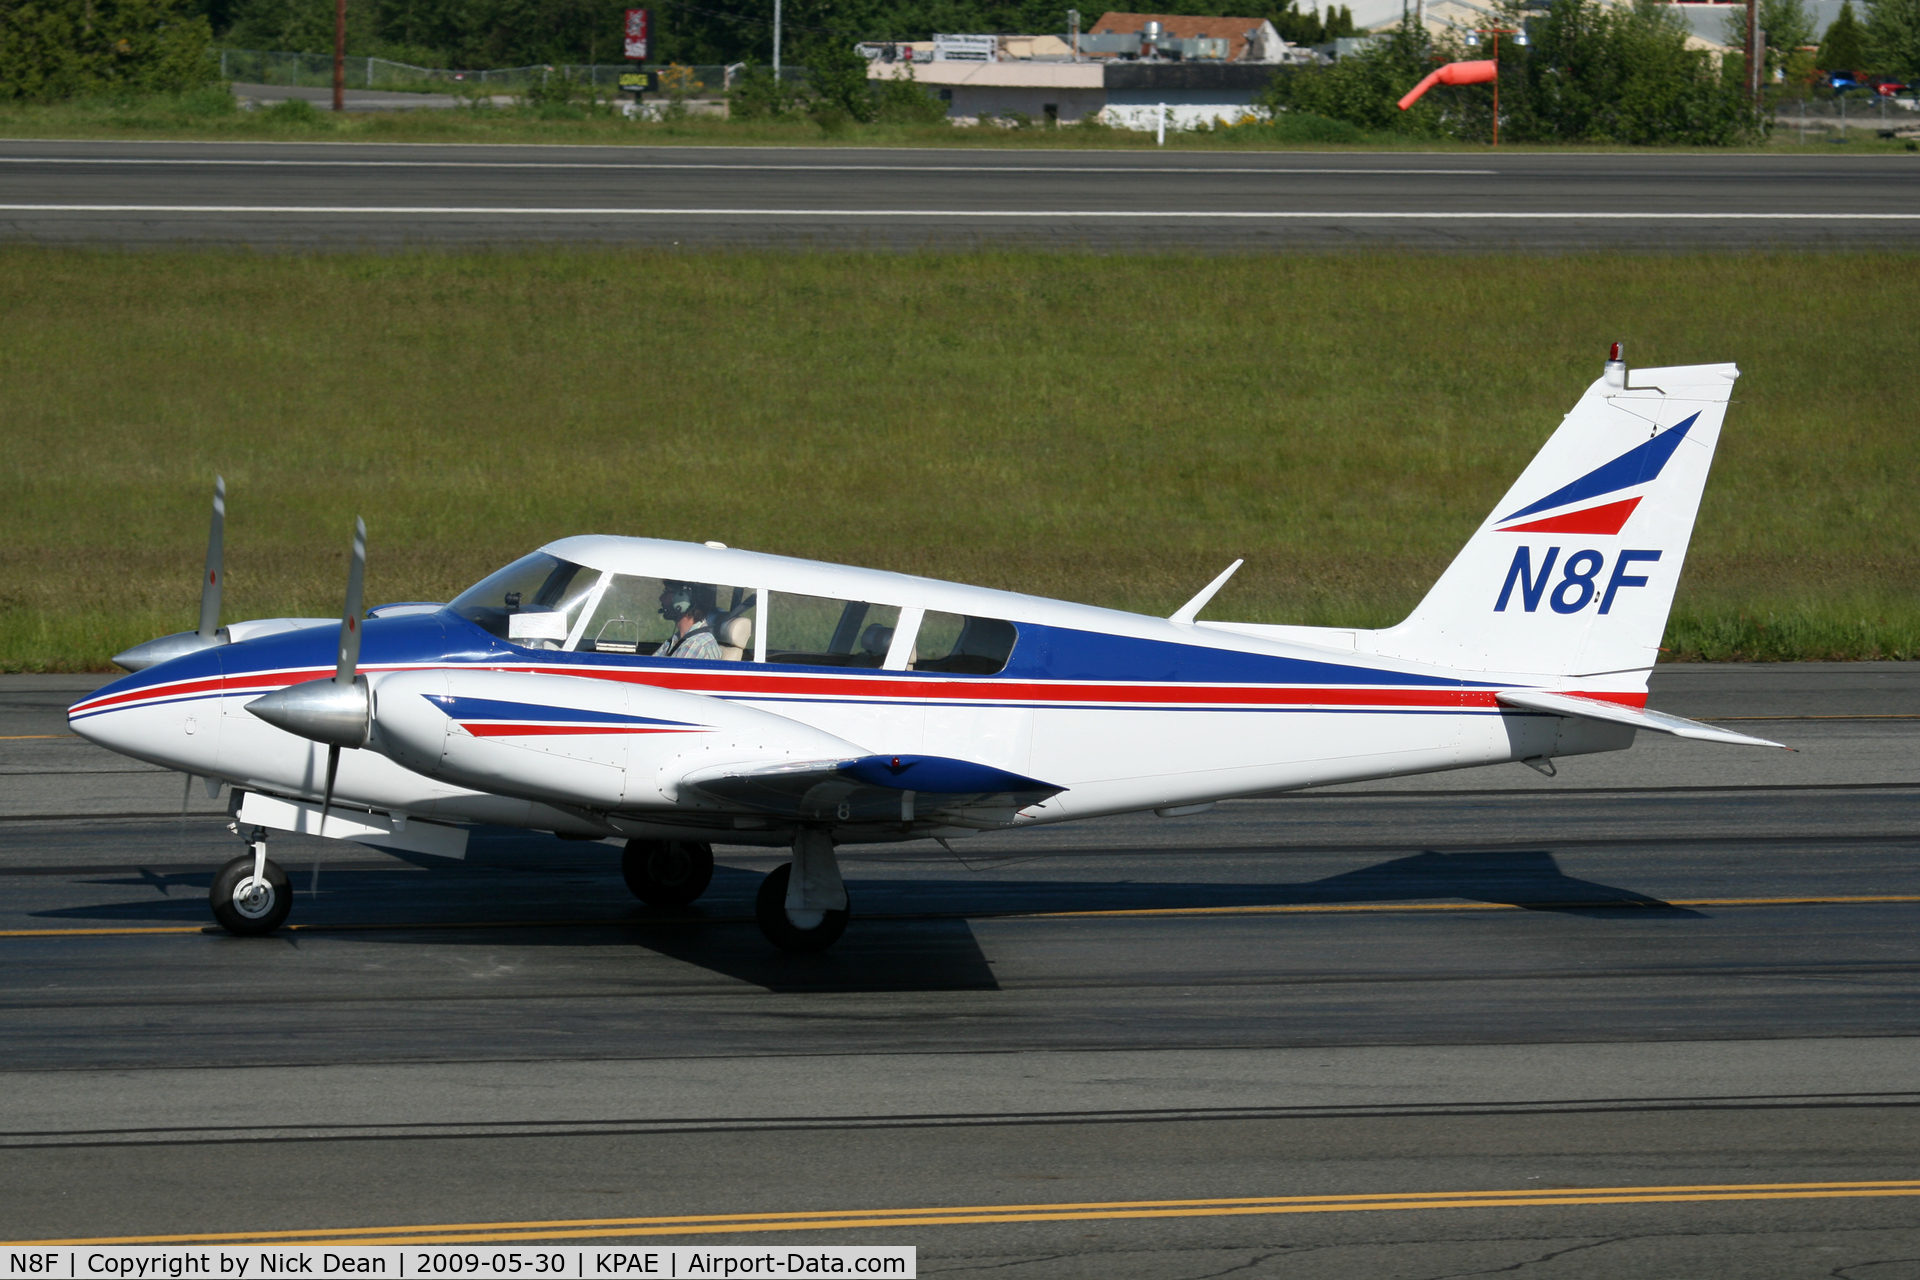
{"type": "Point", "coordinates": [803, 905]}
{"type": "Point", "coordinates": [251, 895]}
{"type": "Point", "coordinates": [667, 873]}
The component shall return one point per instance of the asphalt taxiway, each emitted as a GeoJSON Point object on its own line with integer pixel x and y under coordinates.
{"type": "Point", "coordinates": [1659, 1015]}
{"type": "Point", "coordinates": [344, 195]}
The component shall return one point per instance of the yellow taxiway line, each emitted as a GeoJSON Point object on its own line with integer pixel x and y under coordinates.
{"type": "Point", "coordinates": [1338, 908]}
{"type": "Point", "coordinates": [973, 1215]}
{"type": "Point", "coordinates": [1350, 908]}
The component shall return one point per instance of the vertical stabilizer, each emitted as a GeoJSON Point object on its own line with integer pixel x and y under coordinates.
{"type": "Point", "coordinates": [1574, 572]}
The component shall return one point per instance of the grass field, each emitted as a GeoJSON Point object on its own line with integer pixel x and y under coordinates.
{"type": "Point", "coordinates": [1112, 430]}
{"type": "Point", "coordinates": [210, 116]}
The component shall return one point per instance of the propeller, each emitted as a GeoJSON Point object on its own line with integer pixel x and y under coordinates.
{"type": "Point", "coordinates": [152, 652]}
{"type": "Point", "coordinates": [336, 710]}
{"type": "Point", "coordinates": [346, 671]}
{"type": "Point", "coordinates": [216, 566]}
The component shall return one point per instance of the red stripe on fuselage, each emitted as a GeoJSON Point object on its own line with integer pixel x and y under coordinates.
{"type": "Point", "coordinates": [749, 685]}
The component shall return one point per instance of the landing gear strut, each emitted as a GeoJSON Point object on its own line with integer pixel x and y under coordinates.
{"type": "Point", "coordinates": [667, 873]}
{"type": "Point", "coordinates": [803, 905]}
{"type": "Point", "coordinates": [251, 895]}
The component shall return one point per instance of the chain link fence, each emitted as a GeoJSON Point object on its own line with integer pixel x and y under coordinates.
{"type": "Point", "coordinates": [1811, 116]}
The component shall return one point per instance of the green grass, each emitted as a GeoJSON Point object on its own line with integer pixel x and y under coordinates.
{"type": "Point", "coordinates": [210, 115]}
{"type": "Point", "coordinates": [1105, 429]}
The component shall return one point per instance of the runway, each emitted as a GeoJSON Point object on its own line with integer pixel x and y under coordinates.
{"type": "Point", "coordinates": [1654, 1016]}
{"type": "Point", "coordinates": [374, 195]}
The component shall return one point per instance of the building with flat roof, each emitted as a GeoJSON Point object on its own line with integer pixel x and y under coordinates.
{"type": "Point", "coordinates": [1125, 94]}
{"type": "Point", "coordinates": [1247, 39]}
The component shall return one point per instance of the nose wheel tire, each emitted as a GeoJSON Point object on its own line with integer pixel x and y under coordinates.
{"type": "Point", "coordinates": [247, 906]}
{"type": "Point", "coordinates": [794, 930]}
{"type": "Point", "coordinates": [667, 873]}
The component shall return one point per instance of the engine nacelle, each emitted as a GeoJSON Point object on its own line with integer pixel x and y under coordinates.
{"type": "Point", "coordinates": [599, 743]}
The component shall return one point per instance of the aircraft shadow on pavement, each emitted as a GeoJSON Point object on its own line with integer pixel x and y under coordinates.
{"type": "Point", "coordinates": [909, 934]}
{"type": "Point", "coordinates": [515, 903]}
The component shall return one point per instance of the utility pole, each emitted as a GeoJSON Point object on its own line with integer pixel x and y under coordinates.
{"type": "Point", "coordinates": [339, 55]}
{"type": "Point", "coordinates": [1756, 51]}
{"type": "Point", "coordinates": [776, 40]}
{"type": "Point", "coordinates": [1496, 33]}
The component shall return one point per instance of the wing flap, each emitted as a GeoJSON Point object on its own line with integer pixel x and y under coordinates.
{"type": "Point", "coordinates": [1567, 704]}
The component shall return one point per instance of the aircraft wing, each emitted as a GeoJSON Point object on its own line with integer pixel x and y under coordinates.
{"type": "Point", "coordinates": [1565, 704]}
{"type": "Point", "coordinates": [877, 788]}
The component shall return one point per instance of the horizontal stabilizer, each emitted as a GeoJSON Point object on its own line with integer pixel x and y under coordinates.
{"type": "Point", "coordinates": [875, 788]}
{"type": "Point", "coordinates": [1565, 704]}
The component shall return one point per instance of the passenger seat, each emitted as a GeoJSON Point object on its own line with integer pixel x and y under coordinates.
{"type": "Point", "coordinates": [735, 635]}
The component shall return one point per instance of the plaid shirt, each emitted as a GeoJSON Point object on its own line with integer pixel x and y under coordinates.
{"type": "Point", "coordinates": [697, 643]}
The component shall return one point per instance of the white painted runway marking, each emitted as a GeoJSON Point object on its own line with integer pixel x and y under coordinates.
{"type": "Point", "coordinates": [756, 168]}
{"type": "Point", "coordinates": [1597, 215]}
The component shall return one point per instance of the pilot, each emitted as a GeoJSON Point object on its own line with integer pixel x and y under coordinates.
{"type": "Point", "coordinates": [688, 605]}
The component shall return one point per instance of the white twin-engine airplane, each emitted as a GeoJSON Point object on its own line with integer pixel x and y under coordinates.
{"type": "Point", "coordinates": [677, 695]}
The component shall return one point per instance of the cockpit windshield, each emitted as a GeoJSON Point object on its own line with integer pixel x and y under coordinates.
{"type": "Point", "coordinates": [533, 601]}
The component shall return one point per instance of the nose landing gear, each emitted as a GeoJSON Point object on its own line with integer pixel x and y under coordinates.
{"type": "Point", "coordinates": [250, 895]}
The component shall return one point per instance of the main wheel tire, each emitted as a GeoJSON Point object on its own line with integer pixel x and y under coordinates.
{"type": "Point", "coordinates": [667, 873]}
{"type": "Point", "coordinates": [770, 907]}
{"type": "Point", "coordinates": [246, 908]}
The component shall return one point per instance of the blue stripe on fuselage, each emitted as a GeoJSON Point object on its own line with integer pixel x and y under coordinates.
{"type": "Point", "coordinates": [479, 709]}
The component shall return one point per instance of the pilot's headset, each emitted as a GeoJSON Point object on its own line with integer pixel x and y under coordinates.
{"type": "Point", "coordinates": [682, 598]}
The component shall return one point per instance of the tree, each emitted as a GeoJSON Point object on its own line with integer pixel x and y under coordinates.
{"type": "Point", "coordinates": [54, 49]}
{"type": "Point", "coordinates": [1363, 89]}
{"type": "Point", "coordinates": [1893, 37]}
{"type": "Point", "coordinates": [1316, 27]}
{"type": "Point", "coordinates": [1618, 74]}
{"type": "Point", "coordinates": [839, 76]}
{"type": "Point", "coordinates": [1588, 72]}
{"type": "Point", "coordinates": [1845, 45]}
{"type": "Point", "coordinates": [1786, 25]}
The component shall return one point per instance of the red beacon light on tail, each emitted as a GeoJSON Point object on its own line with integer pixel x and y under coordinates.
{"type": "Point", "coordinates": [1615, 373]}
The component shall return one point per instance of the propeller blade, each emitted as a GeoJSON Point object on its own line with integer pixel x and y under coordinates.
{"type": "Point", "coordinates": [216, 568]}
{"type": "Point", "coordinates": [350, 623]}
{"type": "Point", "coordinates": [326, 798]}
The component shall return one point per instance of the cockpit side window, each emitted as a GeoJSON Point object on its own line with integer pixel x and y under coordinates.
{"type": "Point", "coordinates": [823, 632]}
{"type": "Point", "coordinates": [532, 602]}
{"type": "Point", "coordinates": [960, 645]}
{"type": "Point", "coordinates": [640, 615]}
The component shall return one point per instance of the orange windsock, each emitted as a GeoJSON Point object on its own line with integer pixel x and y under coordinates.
{"type": "Point", "coordinates": [1453, 73]}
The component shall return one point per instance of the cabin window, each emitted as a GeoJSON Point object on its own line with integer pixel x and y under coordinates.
{"type": "Point", "coordinates": [532, 602]}
{"type": "Point", "coordinates": [961, 645]}
{"type": "Point", "coordinates": [824, 632]}
{"type": "Point", "coordinates": [631, 614]}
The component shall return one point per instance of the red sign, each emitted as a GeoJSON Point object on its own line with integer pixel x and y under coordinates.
{"type": "Point", "coordinates": [639, 28]}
